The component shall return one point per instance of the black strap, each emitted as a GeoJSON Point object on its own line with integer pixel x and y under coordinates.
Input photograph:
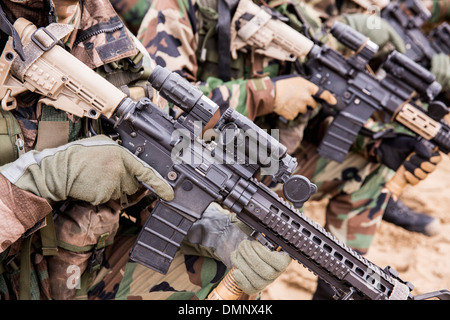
{"type": "Point", "coordinates": [223, 37]}
{"type": "Point", "coordinates": [7, 27]}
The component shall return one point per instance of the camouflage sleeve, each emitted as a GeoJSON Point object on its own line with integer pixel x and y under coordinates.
{"type": "Point", "coordinates": [20, 210]}
{"type": "Point", "coordinates": [168, 32]}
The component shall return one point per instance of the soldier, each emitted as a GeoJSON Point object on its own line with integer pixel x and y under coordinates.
{"type": "Point", "coordinates": [187, 39]}
{"type": "Point", "coordinates": [58, 186]}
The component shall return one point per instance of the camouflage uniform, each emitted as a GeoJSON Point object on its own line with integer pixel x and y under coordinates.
{"type": "Point", "coordinates": [440, 11]}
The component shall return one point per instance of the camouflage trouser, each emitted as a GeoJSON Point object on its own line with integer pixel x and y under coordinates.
{"type": "Point", "coordinates": [190, 277]}
{"type": "Point", "coordinates": [355, 192]}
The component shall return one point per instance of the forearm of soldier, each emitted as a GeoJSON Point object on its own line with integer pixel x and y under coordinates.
{"type": "Point", "coordinates": [19, 211]}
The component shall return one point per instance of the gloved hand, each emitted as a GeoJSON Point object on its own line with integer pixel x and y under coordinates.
{"type": "Point", "coordinates": [256, 266]}
{"type": "Point", "coordinates": [440, 67]}
{"type": "Point", "coordinates": [294, 94]}
{"type": "Point", "coordinates": [413, 154]}
{"type": "Point", "coordinates": [380, 33]}
{"type": "Point", "coordinates": [94, 170]}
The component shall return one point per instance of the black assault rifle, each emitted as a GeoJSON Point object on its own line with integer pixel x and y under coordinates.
{"type": "Point", "coordinates": [202, 172]}
{"type": "Point", "coordinates": [359, 93]}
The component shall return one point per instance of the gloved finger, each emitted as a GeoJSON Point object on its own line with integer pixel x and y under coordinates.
{"type": "Point", "coordinates": [146, 174]}
{"type": "Point", "coordinates": [435, 157]}
{"type": "Point", "coordinates": [440, 67]}
{"type": "Point", "coordinates": [422, 163]}
{"type": "Point", "coordinates": [311, 102]}
{"type": "Point", "coordinates": [249, 261]}
{"type": "Point", "coordinates": [396, 40]}
{"type": "Point", "coordinates": [289, 113]}
{"type": "Point", "coordinates": [306, 95]}
{"type": "Point", "coordinates": [248, 286]}
{"type": "Point", "coordinates": [246, 275]}
{"type": "Point", "coordinates": [328, 97]}
{"type": "Point", "coordinates": [279, 261]}
{"type": "Point", "coordinates": [252, 257]}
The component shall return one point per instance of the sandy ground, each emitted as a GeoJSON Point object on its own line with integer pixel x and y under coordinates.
{"type": "Point", "coordinates": [422, 260]}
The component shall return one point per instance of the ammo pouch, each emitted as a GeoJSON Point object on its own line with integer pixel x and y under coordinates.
{"type": "Point", "coordinates": [11, 139]}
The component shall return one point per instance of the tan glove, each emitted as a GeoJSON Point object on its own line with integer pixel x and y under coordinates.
{"type": "Point", "coordinates": [94, 170]}
{"type": "Point", "coordinates": [293, 96]}
{"type": "Point", "coordinates": [256, 266]}
{"type": "Point", "coordinates": [440, 67]}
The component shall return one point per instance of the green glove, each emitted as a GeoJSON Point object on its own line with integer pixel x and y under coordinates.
{"type": "Point", "coordinates": [94, 170]}
{"type": "Point", "coordinates": [440, 67]}
{"type": "Point", "coordinates": [256, 266]}
{"type": "Point", "coordinates": [381, 33]}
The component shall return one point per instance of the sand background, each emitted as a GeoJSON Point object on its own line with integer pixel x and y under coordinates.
{"type": "Point", "coordinates": [422, 260]}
